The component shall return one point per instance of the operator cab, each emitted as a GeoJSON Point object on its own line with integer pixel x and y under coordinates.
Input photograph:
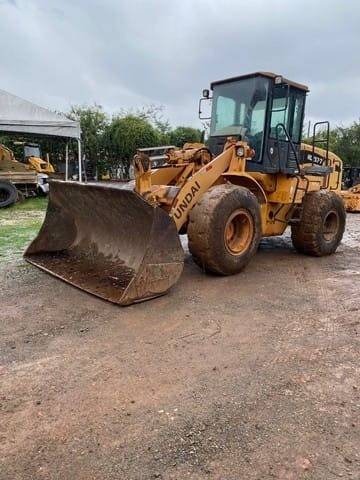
{"type": "Point", "coordinates": [264, 109]}
{"type": "Point", "coordinates": [31, 150]}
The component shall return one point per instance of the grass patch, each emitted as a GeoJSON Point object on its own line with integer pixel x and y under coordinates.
{"type": "Point", "coordinates": [19, 224]}
{"type": "Point", "coordinates": [38, 204]}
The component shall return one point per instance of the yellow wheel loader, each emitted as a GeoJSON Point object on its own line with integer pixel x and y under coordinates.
{"type": "Point", "coordinates": [351, 196]}
{"type": "Point", "coordinates": [351, 199]}
{"type": "Point", "coordinates": [253, 180]}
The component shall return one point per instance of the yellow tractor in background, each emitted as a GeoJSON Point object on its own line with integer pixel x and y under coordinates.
{"type": "Point", "coordinates": [32, 158]}
{"type": "Point", "coordinates": [351, 196]}
{"type": "Point", "coordinates": [253, 180]}
{"type": "Point", "coordinates": [16, 180]}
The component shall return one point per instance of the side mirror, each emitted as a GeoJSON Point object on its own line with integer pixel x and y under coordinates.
{"type": "Point", "coordinates": [205, 104]}
{"type": "Point", "coordinates": [205, 108]}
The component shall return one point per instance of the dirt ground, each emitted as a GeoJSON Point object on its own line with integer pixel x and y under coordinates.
{"type": "Point", "coordinates": [250, 377]}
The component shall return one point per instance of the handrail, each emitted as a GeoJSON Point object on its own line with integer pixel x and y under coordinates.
{"type": "Point", "coordinates": [290, 142]}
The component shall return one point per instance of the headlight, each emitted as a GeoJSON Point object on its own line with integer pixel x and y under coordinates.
{"type": "Point", "coordinates": [240, 151]}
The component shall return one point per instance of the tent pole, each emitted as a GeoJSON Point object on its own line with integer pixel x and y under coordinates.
{"type": "Point", "coordinates": [67, 160]}
{"type": "Point", "coordinates": [80, 166]}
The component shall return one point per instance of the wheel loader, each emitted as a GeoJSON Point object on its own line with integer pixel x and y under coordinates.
{"type": "Point", "coordinates": [351, 189]}
{"type": "Point", "coordinates": [253, 180]}
{"type": "Point", "coordinates": [351, 199]}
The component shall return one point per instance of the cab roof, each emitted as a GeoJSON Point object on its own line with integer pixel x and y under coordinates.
{"type": "Point", "coordinates": [261, 74]}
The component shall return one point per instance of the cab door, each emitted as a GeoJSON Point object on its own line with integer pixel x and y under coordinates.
{"type": "Point", "coordinates": [286, 117]}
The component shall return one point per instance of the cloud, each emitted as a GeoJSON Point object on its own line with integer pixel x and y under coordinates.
{"type": "Point", "coordinates": [129, 53]}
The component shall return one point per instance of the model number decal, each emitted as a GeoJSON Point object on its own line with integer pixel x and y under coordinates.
{"type": "Point", "coordinates": [314, 159]}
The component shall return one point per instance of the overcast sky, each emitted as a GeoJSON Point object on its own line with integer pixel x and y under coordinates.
{"type": "Point", "coordinates": [129, 53]}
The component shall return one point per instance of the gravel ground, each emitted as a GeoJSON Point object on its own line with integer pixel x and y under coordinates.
{"type": "Point", "coordinates": [250, 377]}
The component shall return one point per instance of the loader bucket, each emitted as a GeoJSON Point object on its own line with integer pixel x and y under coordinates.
{"type": "Point", "coordinates": [107, 241]}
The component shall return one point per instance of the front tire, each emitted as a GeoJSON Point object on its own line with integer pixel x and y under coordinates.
{"type": "Point", "coordinates": [224, 229]}
{"type": "Point", "coordinates": [321, 225]}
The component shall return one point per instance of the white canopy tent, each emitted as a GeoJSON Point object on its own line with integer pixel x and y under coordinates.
{"type": "Point", "coordinates": [21, 116]}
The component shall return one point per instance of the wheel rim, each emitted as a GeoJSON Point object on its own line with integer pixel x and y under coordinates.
{"type": "Point", "coordinates": [330, 226]}
{"type": "Point", "coordinates": [239, 231]}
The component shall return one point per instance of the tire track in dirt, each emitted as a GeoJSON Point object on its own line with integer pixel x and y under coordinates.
{"type": "Point", "coordinates": [247, 377]}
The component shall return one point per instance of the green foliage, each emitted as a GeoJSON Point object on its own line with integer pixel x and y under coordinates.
{"type": "Point", "coordinates": [55, 147]}
{"type": "Point", "coordinates": [164, 131]}
{"type": "Point", "coordinates": [113, 141]}
{"type": "Point", "coordinates": [153, 115]}
{"type": "Point", "coordinates": [93, 122]}
{"type": "Point", "coordinates": [124, 135]}
{"type": "Point", "coordinates": [344, 142]}
{"type": "Point", "coordinates": [8, 141]}
{"type": "Point", "coordinates": [182, 135]}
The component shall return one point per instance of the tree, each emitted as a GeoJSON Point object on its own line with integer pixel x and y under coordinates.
{"type": "Point", "coordinates": [344, 142]}
{"type": "Point", "coordinates": [125, 135]}
{"type": "Point", "coordinates": [182, 135]}
{"type": "Point", "coordinates": [93, 121]}
{"type": "Point", "coordinates": [153, 114]}
{"type": "Point", "coordinates": [164, 131]}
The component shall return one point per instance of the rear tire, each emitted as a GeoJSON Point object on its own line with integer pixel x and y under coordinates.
{"type": "Point", "coordinates": [322, 224]}
{"type": "Point", "coordinates": [8, 194]}
{"type": "Point", "coordinates": [224, 229]}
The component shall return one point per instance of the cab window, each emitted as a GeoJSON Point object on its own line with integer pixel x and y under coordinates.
{"type": "Point", "coordinates": [287, 110]}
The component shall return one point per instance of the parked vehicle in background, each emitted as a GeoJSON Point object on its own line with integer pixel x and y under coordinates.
{"type": "Point", "coordinates": [33, 158]}
{"type": "Point", "coordinates": [17, 181]}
